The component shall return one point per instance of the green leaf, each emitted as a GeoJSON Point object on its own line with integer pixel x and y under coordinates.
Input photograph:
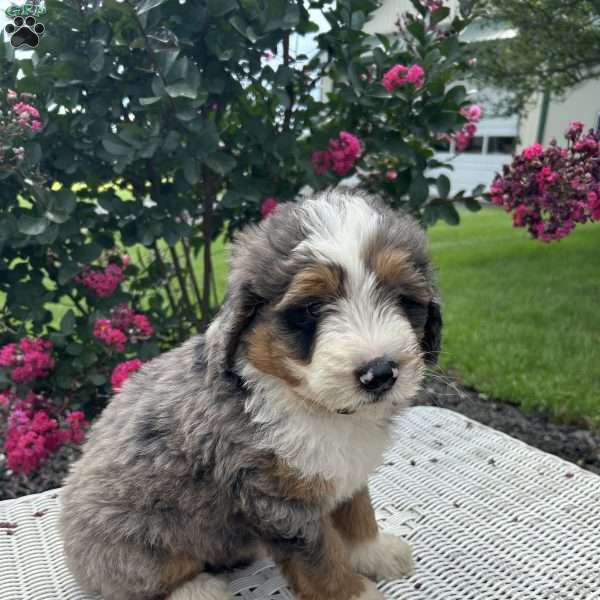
{"type": "Point", "coordinates": [166, 58]}
{"type": "Point", "coordinates": [114, 145]}
{"type": "Point", "coordinates": [218, 8]}
{"type": "Point", "coordinates": [443, 186]}
{"type": "Point", "coordinates": [32, 225]}
{"type": "Point", "coordinates": [418, 190]}
{"type": "Point", "coordinates": [184, 88]}
{"type": "Point", "coordinates": [190, 170]}
{"type": "Point", "coordinates": [63, 200]}
{"type": "Point", "coordinates": [67, 323]}
{"type": "Point", "coordinates": [97, 379]}
{"type": "Point", "coordinates": [449, 213]}
{"type": "Point", "coordinates": [439, 15]}
{"type": "Point", "coordinates": [89, 252]}
{"type": "Point", "coordinates": [472, 205]}
{"type": "Point", "coordinates": [66, 272]}
{"type": "Point", "coordinates": [149, 100]}
{"type": "Point", "coordinates": [220, 162]}
{"type": "Point", "coordinates": [96, 55]}
{"type": "Point", "coordinates": [146, 5]}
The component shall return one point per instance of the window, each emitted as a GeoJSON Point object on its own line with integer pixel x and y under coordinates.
{"type": "Point", "coordinates": [475, 147]}
{"type": "Point", "coordinates": [501, 145]}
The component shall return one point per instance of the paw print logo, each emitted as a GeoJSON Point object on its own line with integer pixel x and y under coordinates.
{"type": "Point", "coordinates": [25, 32]}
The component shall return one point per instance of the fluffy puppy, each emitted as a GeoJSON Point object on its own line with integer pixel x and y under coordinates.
{"type": "Point", "coordinates": [259, 436]}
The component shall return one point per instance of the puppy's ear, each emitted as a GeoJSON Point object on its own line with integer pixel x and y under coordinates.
{"type": "Point", "coordinates": [432, 337]}
{"type": "Point", "coordinates": [239, 312]}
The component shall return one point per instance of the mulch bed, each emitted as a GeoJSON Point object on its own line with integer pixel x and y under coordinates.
{"type": "Point", "coordinates": [575, 443]}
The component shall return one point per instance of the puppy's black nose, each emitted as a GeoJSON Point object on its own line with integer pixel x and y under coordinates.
{"type": "Point", "coordinates": [378, 375]}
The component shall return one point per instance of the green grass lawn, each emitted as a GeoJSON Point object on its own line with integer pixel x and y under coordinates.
{"type": "Point", "coordinates": [522, 318]}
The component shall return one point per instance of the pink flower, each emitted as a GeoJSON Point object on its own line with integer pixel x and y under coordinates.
{"type": "Point", "coordinates": [593, 199]}
{"type": "Point", "coordinates": [23, 108]}
{"type": "Point", "coordinates": [344, 151]}
{"type": "Point", "coordinates": [532, 151]}
{"type": "Point", "coordinates": [6, 355]}
{"type": "Point", "coordinates": [122, 371]}
{"type": "Point", "coordinates": [416, 76]}
{"type": "Point", "coordinates": [33, 432]}
{"type": "Point", "coordinates": [322, 161]}
{"type": "Point", "coordinates": [433, 5]}
{"type": "Point", "coordinates": [391, 175]}
{"type": "Point", "coordinates": [141, 326]}
{"type": "Point", "coordinates": [473, 113]}
{"type": "Point", "coordinates": [35, 125]}
{"type": "Point", "coordinates": [400, 75]}
{"type": "Point", "coordinates": [125, 260]}
{"type": "Point", "coordinates": [268, 206]}
{"type": "Point", "coordinates": [104, 331]}
{"type": "Point", "coordinates": [30, 359]}
{"type": "Point", "coordinates": [11, 96]}
{"type": "Point", "coordinates": [102, 283]}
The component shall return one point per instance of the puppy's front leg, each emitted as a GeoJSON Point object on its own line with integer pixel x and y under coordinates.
{"type": "Point", "coordinates": [320, 569]}
{"type": "Point", "coordinates": [372, 553]}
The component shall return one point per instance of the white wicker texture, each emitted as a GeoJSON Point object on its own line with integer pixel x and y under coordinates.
{"type": "Point", "coordinates": [489, 517]}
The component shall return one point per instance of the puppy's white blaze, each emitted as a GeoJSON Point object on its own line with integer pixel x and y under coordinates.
{"type": "Point", "coordinates": [202, 587]}
{"type": "Point", "coordinates": [338, 231]}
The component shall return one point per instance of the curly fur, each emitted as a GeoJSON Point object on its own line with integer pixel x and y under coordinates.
{"type": "Point", "coordinates": [247, 439]}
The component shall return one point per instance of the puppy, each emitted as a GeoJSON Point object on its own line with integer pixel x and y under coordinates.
{"type": "Point", "coordinates": [259, 436]}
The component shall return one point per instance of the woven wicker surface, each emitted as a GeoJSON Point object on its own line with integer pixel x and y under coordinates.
{"type": "Point", "coordinates": [489, 517]}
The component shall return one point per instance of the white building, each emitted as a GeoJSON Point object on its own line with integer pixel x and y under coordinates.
{"type": "Point", "coordinates": [497, 137]}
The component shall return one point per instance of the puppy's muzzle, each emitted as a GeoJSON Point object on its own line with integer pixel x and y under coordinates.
{"type": "Point", "coordinates": [378, 376]}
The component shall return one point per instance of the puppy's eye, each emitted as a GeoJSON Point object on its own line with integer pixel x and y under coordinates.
{"type": "Point", "coordinates": [303, 317]}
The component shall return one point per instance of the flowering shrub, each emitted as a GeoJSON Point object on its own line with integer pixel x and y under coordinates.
{"type": "Point", "coordinates": [41, 396]}
{"type": "Point", "coordinates": [550, 190]}
{"type": "Point", "coordinates": [18, 120]}
{"type": "Point", "coordinates": [35, 430]}
{"type": "Point", "coordinates": [27, 360]}
{"type": "Point", "coordinates": [135, 139]}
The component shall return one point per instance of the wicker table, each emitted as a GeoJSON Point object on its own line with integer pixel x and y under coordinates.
{"type": "Point", "coordinates": [489, 517]}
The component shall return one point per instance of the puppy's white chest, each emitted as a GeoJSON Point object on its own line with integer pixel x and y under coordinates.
{"type": "Point", "coordinates": [344, 453]}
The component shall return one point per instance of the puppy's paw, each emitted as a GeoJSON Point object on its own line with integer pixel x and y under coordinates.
{"type": "Point", "coordinates": [387, 557]}
{"type": "Point", "coordinates": [371, 592]}
{"type": "Point", "coordinates": [203, 587]}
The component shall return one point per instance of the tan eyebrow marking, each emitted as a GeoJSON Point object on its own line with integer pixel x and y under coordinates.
{"type": "Point", "coordinates": [394, 268]}
{"type": "Point", "coordinates": [317, 281]}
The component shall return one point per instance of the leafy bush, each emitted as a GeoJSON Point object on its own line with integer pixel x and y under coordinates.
{"type": "Point", "coordinates": [167, 124]}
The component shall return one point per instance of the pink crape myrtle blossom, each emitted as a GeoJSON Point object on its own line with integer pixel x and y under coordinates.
{"type": "Point", "coordinates": [268, 206]}
{"type": "Point", "coordinates": [122, 372]}
{"type": "Point", "coordinates": [111, 336]}
{"type": "Point", "coordinates": [400, 75]}
{"type": "Point", "coordinates": [550, 190]}
{"type": "Point", "coordinates": [462, 139]}
{"type": "Point", "coordinates": [103, 283]}
{"type": "Point", "coordinates": [124, 325]}
{"type": "Point", "coordinates": [340, 157]}
{"type": "Point", "coordinates": [532, 151]}
{"type": "Point", "coordinates": [28, 359]}
{"type": "Point", "coordinates": [34, 431]}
